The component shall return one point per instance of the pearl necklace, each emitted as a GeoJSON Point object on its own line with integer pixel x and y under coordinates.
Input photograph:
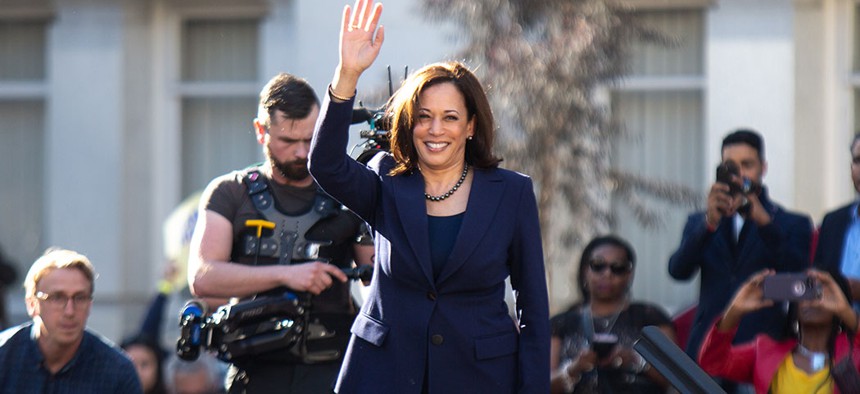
{"type": "Point", "coordinates": [453, 189]}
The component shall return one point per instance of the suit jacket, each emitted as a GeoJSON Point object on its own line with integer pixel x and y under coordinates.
{"type": "Point", "coordinates": [757, 361]}
{"type": "Point", "coordinates": [831, 239]}
{"type": "Point", "coordinates": [453, 331]}
{"type": "Point", "coordinates": [782, 245]}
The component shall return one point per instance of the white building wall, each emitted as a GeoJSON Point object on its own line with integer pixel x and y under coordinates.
{"type": "Point", "coordinates": [750, 74]}
{"type": "Point", "coordinates": [84, 136]}
{"type": "Point", "coordinates": [113, 117]}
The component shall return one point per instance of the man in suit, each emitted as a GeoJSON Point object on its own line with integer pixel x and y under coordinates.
{"type": "Point", "coordinates": [741, 232]}
{"type": "Point", "coordinates": [838, 247]}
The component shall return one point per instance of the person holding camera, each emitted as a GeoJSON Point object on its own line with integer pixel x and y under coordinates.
{"type": "Point", "coordinates": [269, 229]}
{"type": "Point", "coordinates": [740, 233]}
{"type": "Point", "coordinates": [450, 226]}
{"type": "Point", "coordinates": [592, 342]}
{"type": "Point", "coordinates": [815, 353]}
{"type": "Point", "coordinates": [838, 246]}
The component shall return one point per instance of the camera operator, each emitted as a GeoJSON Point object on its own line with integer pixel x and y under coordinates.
{"type": "Point", "coordinates": [741, 232]}
{"type": "Point", "coordinates": [235, 252]}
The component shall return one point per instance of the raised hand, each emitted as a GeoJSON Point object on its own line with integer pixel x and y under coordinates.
{"type": "Point", "coordinates": [720, 203]}
{"type": "Point", "coordinates": [832, 297]}
{"type": "Point", "coordinates": [360, 41]}
{"type": "Point", "coordinates": [748, 298]}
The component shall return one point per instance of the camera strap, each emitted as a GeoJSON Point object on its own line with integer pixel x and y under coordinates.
{"type": "Point", "coordinates": [287, 242]}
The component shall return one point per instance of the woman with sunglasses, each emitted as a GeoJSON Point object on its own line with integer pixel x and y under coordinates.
{"type": "Point", "coordinates": [819, 335]}
{"type": "Point", "coordinates": [592, 342]}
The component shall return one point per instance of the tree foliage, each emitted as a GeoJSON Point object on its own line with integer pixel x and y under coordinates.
{"type": "Point", "coordinates": [545, 64]}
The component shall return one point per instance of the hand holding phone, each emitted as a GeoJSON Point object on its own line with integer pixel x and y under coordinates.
{"type": "Point", "coordinates": [790, 287]}
{"type": "Point", "coordinates": [602, 344]}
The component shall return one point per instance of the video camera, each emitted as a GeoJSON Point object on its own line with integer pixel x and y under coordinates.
{"type": "Point", "coordinates": [257, 326]}
{"type": "Point", "coordinates": [377, 137]}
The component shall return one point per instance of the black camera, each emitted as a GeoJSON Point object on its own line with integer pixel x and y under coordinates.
{"type": "Point", "coordinates": [725, 173]}
{"type": "Point", "coordinates": [790, 287]}
{"type": "Point", "coordinates": [264, 324]}
{"type": "Point", "coordinates": [241, 329]}
{"type": "Point", "coordinates": [377, 136]}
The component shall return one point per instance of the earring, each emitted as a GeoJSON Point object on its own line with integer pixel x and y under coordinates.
{"type": "Point", "coordinates": [469, 138]}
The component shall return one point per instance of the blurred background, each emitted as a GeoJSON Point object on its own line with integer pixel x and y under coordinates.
{"type": "Point", "coordinates": [114, 113]}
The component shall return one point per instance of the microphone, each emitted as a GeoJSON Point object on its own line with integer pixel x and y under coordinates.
{"type": "Point", "coordinates": [190, 325]}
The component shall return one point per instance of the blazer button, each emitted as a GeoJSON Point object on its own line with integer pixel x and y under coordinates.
{"type": "Point", "coordinates": [431, 296]}
{"type": "Point", "coordinates": [437, 339]}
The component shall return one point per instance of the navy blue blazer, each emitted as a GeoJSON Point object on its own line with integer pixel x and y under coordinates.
{"type": "Point", "coordinates": [455, 331]}
{"type": "Point", "coordinates": [831, 239]}
{"type": "Point", "coordinates": [782, 245]}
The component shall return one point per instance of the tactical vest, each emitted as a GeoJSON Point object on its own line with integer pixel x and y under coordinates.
{"type": "Point", "coordinates": [323, 336]}
{"type": "Point", "coordinates": [287, 242]}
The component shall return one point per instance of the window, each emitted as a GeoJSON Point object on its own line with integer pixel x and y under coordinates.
{"type": "Point", "coordinates": [219, 63]}
{"type": "Point", "coordinates": [660, 106]}
{"type": "Point", "coordinates": [22, 132]}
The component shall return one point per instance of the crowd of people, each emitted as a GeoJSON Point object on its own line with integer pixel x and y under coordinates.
{"type": "Point", "coordinates": [443, 227]}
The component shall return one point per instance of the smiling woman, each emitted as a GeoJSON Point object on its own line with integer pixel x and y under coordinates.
{"type": "Point", "coordinates": [450, 227]}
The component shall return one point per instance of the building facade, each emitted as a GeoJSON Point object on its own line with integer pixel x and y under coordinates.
{"type": "Point", "coordinates": [113, 111]}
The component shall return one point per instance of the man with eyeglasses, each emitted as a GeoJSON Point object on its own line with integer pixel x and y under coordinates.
{"type": "Point", "coordinates": [838, 248]}
{"type": "Point", "coordinates": [55, 352]}
{"type": "Point", "coordinates": [740, 233]}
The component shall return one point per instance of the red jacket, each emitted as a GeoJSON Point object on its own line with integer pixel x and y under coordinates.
{"type": "Point", "coordinates": [754, 362]}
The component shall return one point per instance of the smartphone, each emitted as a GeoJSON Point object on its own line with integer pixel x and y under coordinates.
{"type": "Point", "coordinates": [790, 287]}
{"type": "Point", "coordinates": [603, 343]}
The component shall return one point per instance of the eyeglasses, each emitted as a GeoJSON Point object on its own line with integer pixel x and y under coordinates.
{"type": "Point", "coordinates": [60, 300]}
{"type": "Point", "coordinates": [617, 268]}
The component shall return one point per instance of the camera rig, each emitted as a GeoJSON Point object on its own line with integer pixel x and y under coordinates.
{"type": "Point", "coordinates": [257, 326]}
{"type": "Point", "coordinates": [376, 138]}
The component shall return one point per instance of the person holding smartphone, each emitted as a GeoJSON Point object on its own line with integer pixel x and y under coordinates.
{"type": "Point", "coordinates": [591, 348]}
{"type": "Point", "coordinates": [821, 331]}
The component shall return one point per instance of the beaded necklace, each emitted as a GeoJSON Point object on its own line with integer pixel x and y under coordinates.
{"type": "Point", "coordinates": [453, 189]}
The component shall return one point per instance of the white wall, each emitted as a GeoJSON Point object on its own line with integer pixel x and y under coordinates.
{"type": "Point", "coordinates": [85, 143]}
{"type": "Point", "coordinates": [750, 83]}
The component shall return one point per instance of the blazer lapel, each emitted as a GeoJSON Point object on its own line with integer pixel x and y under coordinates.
{"type": "Point", "coordinates": [412, 210]}
{"type": "Point", "coordinates": [484, 199]}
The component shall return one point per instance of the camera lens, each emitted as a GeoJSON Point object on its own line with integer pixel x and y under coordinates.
{"type": "Point", "coordinates": [799, 288]}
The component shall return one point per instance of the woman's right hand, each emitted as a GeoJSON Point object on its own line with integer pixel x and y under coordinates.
{"type": "Point", "coordinates": [584, 362]}
{"type": "Point", "coordinates": [360, 42]}
{"type": "Point", "coordinates": [748, 298]}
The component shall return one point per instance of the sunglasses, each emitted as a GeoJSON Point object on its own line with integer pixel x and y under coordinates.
{"type": "Point", "coordinates": [617, 268]}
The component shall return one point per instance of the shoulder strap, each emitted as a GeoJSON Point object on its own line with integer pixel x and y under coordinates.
{"type": "Point", "coordinates": [288, 242]}
{"type": "Point", "coordinates": [587, 322]}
